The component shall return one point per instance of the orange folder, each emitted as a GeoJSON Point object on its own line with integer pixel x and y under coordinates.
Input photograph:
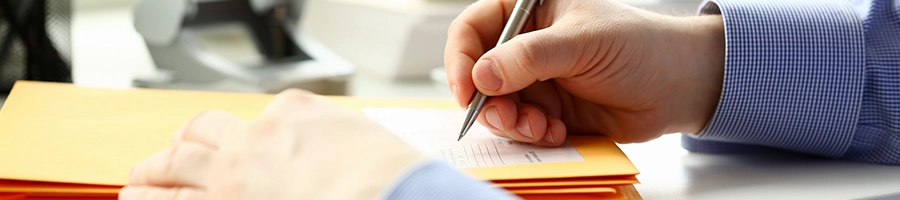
{"type": "Point", "coordinates": [65, 140]}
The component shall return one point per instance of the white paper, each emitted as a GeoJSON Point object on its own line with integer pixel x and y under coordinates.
{"type": "Point", "coordinates": [434, 133]}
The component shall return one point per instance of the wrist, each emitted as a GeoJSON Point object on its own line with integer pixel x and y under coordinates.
{"type": "Point", "coordinates": [700, 72]}
{"type": "Point", "coordinates": [363, 167]}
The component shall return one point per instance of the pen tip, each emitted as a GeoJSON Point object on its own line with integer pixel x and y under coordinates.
{"type": "Point", "coordinates": [460, 137]}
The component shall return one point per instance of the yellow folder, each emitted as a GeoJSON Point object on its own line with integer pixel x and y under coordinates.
{"type": "Point", "coordinates": [79, 140]}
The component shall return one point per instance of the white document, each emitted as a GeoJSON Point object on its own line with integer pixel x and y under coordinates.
{"type": "Point", "coordinates": [434, 133]}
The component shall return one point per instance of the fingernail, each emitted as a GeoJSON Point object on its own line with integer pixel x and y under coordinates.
{"type": "Point", "coordinates": [126, 193]}
{"type": "Point", "coordinates": [549, 138]}
{"type": "Point", "coordinates": [523, 127]}
{"type": "Point", "coordinates": [487, 75]}
{"type": "Point", "coordinates": [493, 118]}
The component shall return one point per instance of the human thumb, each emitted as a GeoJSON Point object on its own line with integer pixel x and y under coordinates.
{"type": "Point", "coordinates": [527, 58]}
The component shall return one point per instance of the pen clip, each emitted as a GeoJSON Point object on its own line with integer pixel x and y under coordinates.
{"type": "Point", "coordinates": [540, 2]}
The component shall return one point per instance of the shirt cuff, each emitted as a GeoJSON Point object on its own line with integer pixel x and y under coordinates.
{"type": "Point", "coordinates": [793, 74]}
{"type": "Point", "coordinates": [437, 180]}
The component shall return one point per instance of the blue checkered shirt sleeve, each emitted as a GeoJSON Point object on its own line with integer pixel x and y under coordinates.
{"type": "Point", "coordinates": [437, 180]}
{"type": "Point", "coordinates": [820, 77]}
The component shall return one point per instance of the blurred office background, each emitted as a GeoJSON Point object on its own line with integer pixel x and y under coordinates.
{"type": "Point", "coordinates": [384, 48]}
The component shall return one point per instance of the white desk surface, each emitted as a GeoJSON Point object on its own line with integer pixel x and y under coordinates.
{"type": "Point", "coordinates": [670, 172]}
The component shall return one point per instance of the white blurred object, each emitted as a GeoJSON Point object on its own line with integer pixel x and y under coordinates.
{"type": "Point", "coordinates": [289, 57]}
{"type": "Point", "coordinates": [389, 39]}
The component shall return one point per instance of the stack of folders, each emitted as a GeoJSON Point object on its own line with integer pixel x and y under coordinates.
{"type": "Point", "coordinates": [61, 141]}
{"type": "Point", "coordinates": [605, 173]}
{"type": "Point", "coordinates": [584, 167]}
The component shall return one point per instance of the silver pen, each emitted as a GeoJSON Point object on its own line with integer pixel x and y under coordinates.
{"type": "Point", "coordinates": [517, 19]}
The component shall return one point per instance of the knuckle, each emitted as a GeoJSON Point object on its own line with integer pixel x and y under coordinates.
{"type": "Point", "coordinates": [263, 126]}
{"type": "Point", "coordinates": [292, 99]}
{"type": "Point", "coordinates": [182, 158]}
{"type": "Point", "coordinates": [294, 93]}
{"type": "Point", "coordinates": [453, 26]}
{"type": "Point", "coordinates": [532, 57]}
{"type": "Point", "coordinates": [187, 127]}
{"type": "Point", "coordinates": [168, 170]}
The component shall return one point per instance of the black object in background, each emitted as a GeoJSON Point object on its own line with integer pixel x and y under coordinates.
{"type": "Point", "coordinates": [34, 41]}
